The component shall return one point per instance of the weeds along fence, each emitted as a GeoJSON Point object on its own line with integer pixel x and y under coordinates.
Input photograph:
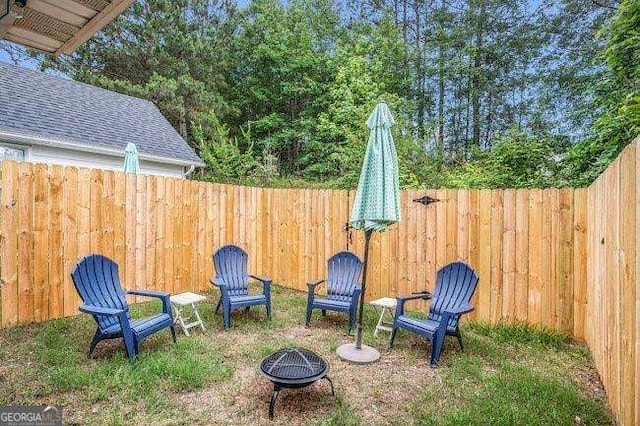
{"type": "Point", "coordinates": [563, 258]}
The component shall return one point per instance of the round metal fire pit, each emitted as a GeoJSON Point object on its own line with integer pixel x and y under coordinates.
{"type": "Point", "coordinates": [293, 368]}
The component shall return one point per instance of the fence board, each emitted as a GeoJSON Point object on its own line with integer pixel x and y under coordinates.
{"type": "Point", "coordinates": [579, 263]}
{"type": "Point", "coordinates": [484, 260]}
{"type": "Point", "coordinates": [56, 263]}
{"type": "Point", "coordinates": [497, 227]}
{"type": "Point", "coordinates": [508, 267]}
{"type": "Point", "coordinates": [536, 254]}
{"type": "Point", "coordinates": [70, 238]}
{"type": "Point", "coordinates": [9, 239]}
{"type": "Point", "coordinates": [25, 243]}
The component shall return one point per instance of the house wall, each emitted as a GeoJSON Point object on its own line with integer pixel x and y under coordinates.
{"type": "Point", "coordinates": [70, 157]}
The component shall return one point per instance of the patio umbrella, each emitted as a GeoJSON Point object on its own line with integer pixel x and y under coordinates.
{"type": "Point", "coordinates": [131, 162]}
{"type": "Point", "coordinates": [376, 207]}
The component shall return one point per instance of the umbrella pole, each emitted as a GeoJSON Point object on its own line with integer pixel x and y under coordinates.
{"type": "Point", "coordinates": [367, 239]}
{"type": "Point", "coordinates": [357, 353]}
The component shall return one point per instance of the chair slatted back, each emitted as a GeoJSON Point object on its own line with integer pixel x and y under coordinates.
{"type": "Point", "coordinates": [343, 275]}
{"type": "Point", "coordinates": [455, 285]}
{"type": "Point", "coordinates": [97, 281]}
{"type": "Point", "coordinates": [230, 263]}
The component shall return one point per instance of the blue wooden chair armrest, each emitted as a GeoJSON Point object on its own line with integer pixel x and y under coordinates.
{"type": "Point", "coordinates": [148, 293]}
{"type": "Point", "coordinates": [464, 309]}
{"type": "Point", "coordinates": [99, 310]}
{"type": "Point", "coordinates": [401, 300]}
{"type": "Point", "coordinates": [266, 284]}
{"type": "Point", "coordinates": [125, 327]}
{"type": "Point", "coordinates": [166, 303]}
{"type": "Point", "coordinates": [313, 284]}
{"type": "Point", "coordinates": [218, 282]}
{"type": "Point", "coordinates": [452, 312]}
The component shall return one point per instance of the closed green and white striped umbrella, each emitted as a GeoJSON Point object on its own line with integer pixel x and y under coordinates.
{"type": "Point", "coordinates": [376, 207]}
{"type": "Point", "coordinates": [131, 161]}
{"type": "Point", "coordinates": [377, 203]}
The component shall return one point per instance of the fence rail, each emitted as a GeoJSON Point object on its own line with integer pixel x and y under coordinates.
{"type": "Point", "coordinates": [564, 258]}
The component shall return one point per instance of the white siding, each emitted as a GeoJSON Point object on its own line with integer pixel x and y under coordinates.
{"type": "Point", "coordinates": [68, 157]}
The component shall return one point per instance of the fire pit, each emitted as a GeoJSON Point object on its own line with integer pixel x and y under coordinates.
{"type": "Point", "coordinates": [293, 368]}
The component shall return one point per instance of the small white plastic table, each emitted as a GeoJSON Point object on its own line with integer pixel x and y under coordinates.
{"type": "Point", "coordinates": [387, 307]}
{"type": "Point", "coordinates": [180, 303]}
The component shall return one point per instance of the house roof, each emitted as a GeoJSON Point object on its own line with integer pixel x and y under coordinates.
{"type": "Point", "coordinates": [50, 110]}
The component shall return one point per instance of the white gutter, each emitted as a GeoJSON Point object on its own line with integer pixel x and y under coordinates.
{"type": "Point", "coordinates": [36, 140]}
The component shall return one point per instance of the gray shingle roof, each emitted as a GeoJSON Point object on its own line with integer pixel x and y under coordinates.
{"type": "Point", "coordinates": [36, 104]}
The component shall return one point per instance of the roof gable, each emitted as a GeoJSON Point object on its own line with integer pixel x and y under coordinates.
{"type": "Point", "coordinates": [44, 106]}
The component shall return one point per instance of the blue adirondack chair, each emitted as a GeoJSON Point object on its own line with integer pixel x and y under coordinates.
{"type": "Point", "coordinates": [343, 287]}
{"type": "Point", "coordinates": [455, 284]}
{"type": "Point", "coordinates": [97, 281]}
{"type": "Point", "coordinates": [232, 278]}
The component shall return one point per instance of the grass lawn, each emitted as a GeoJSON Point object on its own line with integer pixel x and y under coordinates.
{"type": "Point", "coordinates": [508, 375]}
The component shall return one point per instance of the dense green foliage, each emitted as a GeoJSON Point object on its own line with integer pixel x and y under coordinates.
{"type": "Point", "coordinates": [617, 97]}
{"type": "Point", "coordinates": [486, 93]}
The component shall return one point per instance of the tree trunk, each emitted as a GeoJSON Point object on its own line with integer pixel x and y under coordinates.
{"type": "Point", "coordinates": [476, 80]}
{"type": "Point", "coordinates": [420, 101]}
{"type": "Point", "coordinates": [440, 135]}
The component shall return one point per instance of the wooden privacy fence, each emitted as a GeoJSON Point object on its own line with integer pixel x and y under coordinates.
{"type": "Point", "coordinates": [528, 246]}
{"type": "Point", "coordinates": [563, 258]}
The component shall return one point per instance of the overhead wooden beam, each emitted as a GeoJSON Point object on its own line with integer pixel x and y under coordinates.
{"type": "Point", "coordinates": [33, 44]}
{"type": "Point", "coordinates": [46, 25]}
{"type": "Point", "coordinates": [55, 11]}
{"type": "Point", "coordinates": [39, 40]}
{"type": "Point", "coordinates": [98, 22]}
{"type": "Point", "coordinates": [94, 4]}
{"type": "Point", "coordinates": [73, 7]}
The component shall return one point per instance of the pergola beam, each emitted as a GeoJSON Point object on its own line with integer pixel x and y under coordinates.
{"type": "Point", "coordinates": [104, 17]}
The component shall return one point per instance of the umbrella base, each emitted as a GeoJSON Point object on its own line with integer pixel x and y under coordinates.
{"type": "Point", "coordinates": [365, 355]}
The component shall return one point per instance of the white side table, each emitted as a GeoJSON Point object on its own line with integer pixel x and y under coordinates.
{"type": "Point", "coordinates": [182, 301]}
{"type": "Point", "coordinates": [387, 307]}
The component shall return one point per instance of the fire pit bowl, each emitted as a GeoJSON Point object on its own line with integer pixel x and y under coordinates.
{"type": "Point", "coordinates": [293, 368]}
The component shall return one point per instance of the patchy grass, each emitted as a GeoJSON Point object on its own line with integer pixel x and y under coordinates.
{"type": "Point", "coordinates": [507, 375]}
{"type": "Point", "coordinates": [514, 375]}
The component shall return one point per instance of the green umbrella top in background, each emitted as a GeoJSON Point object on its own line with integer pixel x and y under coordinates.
{"type": "Point", "coordinates": [377, 203]}
{"type": "Point", "coordinates": [131, 162]}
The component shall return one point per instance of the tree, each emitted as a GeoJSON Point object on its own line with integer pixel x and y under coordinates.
{"type": "Point", "coordinates": [172, 52]}
{"type": "Point", "coordinates": [617, 99]}
{"type": "Point", "coordinates": [284, 70]}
